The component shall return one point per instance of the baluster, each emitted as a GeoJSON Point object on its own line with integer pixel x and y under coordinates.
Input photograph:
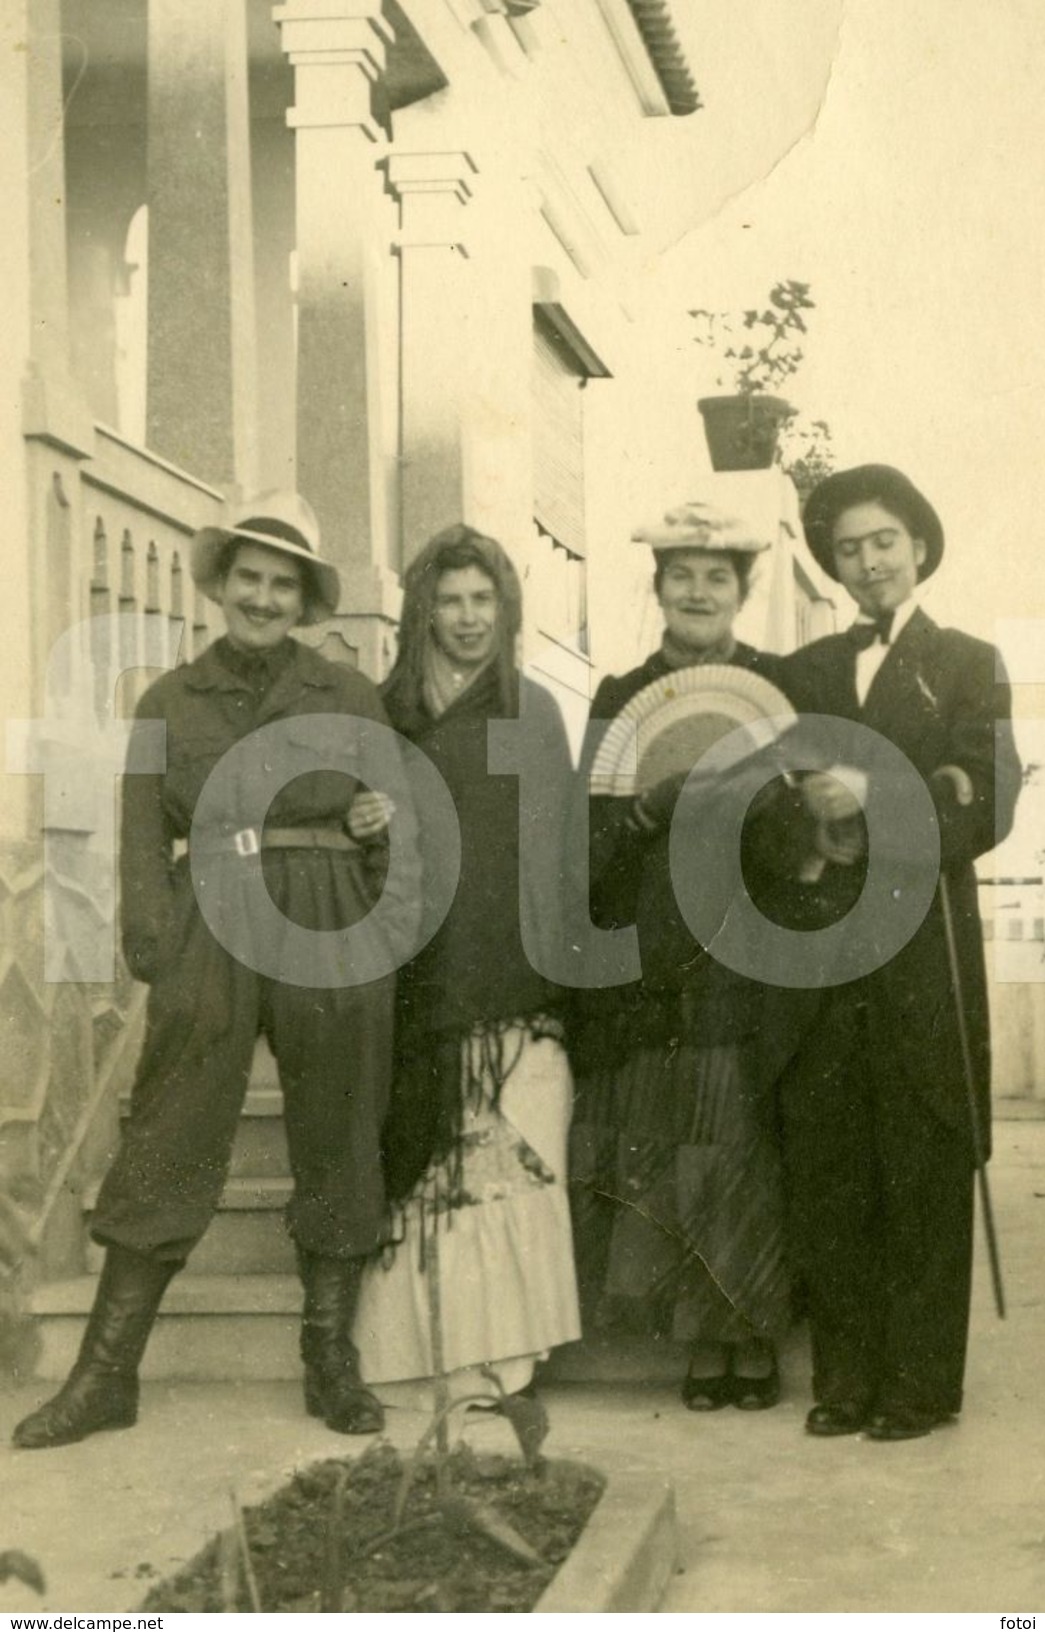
{"type": "Point", "coordinates": [129, 622]}
{"type": "Point", "coordinates": [155, 641]}
{"type": "Point", "coordinates": [100, 603]}
{"type": "Point", "coordinates": [66, 662]}
{"type": "Point", "coordinates": [200, 628]}
{"type": "Point", "coordinates": [177, 611]}
{"type": "Point", "coordinates": [152, 578]}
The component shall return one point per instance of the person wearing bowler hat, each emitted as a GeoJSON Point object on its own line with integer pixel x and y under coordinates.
{"type": "Point", "coordinates": [217, 888]}
{"type": "Point", "coordinates": [879, 1146]}
{"type": "Point", "coordinates": [675, 1178]}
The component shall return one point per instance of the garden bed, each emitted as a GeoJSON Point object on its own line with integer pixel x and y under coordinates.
{"type": "Point", "coordinates": [328, 1539]}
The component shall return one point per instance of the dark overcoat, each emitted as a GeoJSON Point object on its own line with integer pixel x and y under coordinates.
{"type": "Point", "coordinates": [943, 699]}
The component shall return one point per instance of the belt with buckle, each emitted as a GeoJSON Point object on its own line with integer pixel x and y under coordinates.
{"type": "Point", "coordinates": [250, 841]}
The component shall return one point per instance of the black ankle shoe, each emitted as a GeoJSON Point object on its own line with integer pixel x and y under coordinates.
{"type": "Point", "coordinates": [707, 1393]}
{"type": "Point", "coordinates": [756, 1393]}
{"type": "Point", "coordinates": [828, 1421]}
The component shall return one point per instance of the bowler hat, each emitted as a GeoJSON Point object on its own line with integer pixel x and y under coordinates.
{"type": "Point", "coordinates": [700, 526]}
{"type": "Point", "coordinates": [871, 484]}
{"type": "Point", "coordinates": [281, 521]}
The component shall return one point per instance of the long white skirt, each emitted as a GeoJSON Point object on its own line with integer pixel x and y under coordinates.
{"type": "Point", "coordinates": [491, 1224]}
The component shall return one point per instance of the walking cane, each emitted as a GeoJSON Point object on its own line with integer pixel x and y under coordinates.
{"type": "Point", "coordinates": [960, 782]}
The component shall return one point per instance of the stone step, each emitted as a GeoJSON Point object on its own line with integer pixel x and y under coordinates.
{"type": "Point", "coordinates": [260, 1146]}
{"type": "Point", "coordinates": [210, 1327]}
{"type": "Point", "coordinates": [214, 1327]}
{"type": "Point", "coordinates": [247, 1235]}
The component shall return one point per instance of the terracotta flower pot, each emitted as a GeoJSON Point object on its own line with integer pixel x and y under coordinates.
{"type": "Point", "coordinates": [741, 431]}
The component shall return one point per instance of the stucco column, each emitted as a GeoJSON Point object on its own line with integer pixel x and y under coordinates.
{"type": "Point", "coordinates": [15, 345]}
{"type": "Point", "coordinates": [338, 51]}
{"type": "Point", "coordinates": [433, 190]}
{"type": "Point", "coordinates": [43, 420]}
{"type": "Point", "coordinates": [201, 395]}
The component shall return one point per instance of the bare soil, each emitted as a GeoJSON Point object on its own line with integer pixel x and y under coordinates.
{"type": "Point", "coordinates": [327, 1540]}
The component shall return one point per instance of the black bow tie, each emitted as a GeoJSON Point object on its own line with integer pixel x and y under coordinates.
{"type": "Point", "coordinates": [864, 635]}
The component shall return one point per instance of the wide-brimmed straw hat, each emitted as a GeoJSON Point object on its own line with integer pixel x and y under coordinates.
{"type": "Point", "coordinates": [696, 525]}
{"type": "Point", "coordinates": [281, 521]}
{"type": "Point", "coordinates": [871, 484]}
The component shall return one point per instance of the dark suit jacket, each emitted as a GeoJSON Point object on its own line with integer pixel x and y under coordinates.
{"type": "Point", "coordinates": [942, 698]}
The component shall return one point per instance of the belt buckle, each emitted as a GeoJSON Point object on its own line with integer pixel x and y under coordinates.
{"type": "Point", "coordinates": [247, 842]}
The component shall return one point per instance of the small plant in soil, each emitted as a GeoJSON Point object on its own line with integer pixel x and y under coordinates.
{"type": "Point", "coordinates": [339, 1538]}
{"type": "Point", "coordinates": [438, 1530]}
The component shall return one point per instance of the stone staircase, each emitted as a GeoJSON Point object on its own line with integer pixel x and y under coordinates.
{"type": "Point", "coordinates": [233, 1313]}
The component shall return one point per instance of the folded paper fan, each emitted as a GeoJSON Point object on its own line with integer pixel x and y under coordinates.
{"type": "Point", "coordinates": [671, 723]}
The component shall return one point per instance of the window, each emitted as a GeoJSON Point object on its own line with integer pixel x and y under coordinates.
{"type": "Point", "coordinates": [558, 441]}
{"type": "Point", "coordinates": [563, 364]}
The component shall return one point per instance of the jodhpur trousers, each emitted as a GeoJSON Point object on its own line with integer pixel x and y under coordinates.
{"type": "Point", "coordinates": [333, 1051]}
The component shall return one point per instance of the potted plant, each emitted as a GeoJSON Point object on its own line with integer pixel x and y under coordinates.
{"type": "Point", "coordinates": [761, 349]}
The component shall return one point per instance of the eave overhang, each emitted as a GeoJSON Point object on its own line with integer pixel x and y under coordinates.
{"type": "Point", "coordinates": [656, 24]}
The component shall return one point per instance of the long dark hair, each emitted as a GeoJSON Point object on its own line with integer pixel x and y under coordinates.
{"type": "Point", "coordinates": [451, 550]}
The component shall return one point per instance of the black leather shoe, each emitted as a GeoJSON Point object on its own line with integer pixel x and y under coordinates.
{"type": "Point", "coordinates": [707, 1393]}
{"type": "Point", "coordinates": [756, 1393]}
{"type": "Point", "coordinates": [828, 1421]}
{"type": "Point", "coordinates": [903, 1423]}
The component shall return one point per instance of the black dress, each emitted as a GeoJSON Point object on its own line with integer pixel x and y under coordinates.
{"type": "Point", "coordinates": [675, 1177]}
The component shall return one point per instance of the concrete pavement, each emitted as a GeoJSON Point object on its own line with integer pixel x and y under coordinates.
{"type": "Point", "coordinates": [770, 1519]}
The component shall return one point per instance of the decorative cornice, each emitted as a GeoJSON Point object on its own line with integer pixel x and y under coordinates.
{"type": "Point", "coordinates": [657, 27]}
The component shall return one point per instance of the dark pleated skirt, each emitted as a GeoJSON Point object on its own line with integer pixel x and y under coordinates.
{"type": "Point", "coordinates": [677, 1199]}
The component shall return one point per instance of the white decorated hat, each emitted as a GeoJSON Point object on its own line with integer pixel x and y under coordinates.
{"type": "Point", "coordinates": [696, 525]}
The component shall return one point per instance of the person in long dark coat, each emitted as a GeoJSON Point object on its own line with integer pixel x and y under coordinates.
{"type": "Point", "coordinates": [878, 1146]}
{"type": "Point", "coordinates": [217, 981]}
{"type": "Point", "coordinates": [674, 1175]}
{"type": "Point", "coordinates": [475, 1142]}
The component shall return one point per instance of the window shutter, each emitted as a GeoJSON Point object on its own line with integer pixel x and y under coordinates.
{"type": "Point", "coordinates": [558, 441]}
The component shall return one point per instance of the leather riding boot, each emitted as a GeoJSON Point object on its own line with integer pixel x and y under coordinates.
{"type": "Point", "coordinates": [334, 1390]}
{"type": "Point", "coordinates": [102, 1388]}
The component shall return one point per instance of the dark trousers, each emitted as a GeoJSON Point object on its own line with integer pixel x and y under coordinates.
{"type": "Point", "coordinates": [880, 1202]}
{"type": "Point", "coordinates": [333, 1051]}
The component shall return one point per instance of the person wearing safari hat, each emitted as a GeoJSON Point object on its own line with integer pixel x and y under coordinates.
{"type": "Point", "coordinates": [878, 1143]}
{"type": "Point", "coordinates": [674, 1176]}
{"type": "Point", "coordinates": [288, 842]}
